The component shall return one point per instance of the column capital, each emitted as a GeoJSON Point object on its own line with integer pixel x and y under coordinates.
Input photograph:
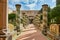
{"type": "Point", "coordinates": [18, 6]}
{"type": "Point", "coordinates": [45, 7]}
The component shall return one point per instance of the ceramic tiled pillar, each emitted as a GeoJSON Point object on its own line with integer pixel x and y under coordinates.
{"type": "Point", "coordinates": [44, 9]}
{"type": "Point", "coordinates": [18, 6]}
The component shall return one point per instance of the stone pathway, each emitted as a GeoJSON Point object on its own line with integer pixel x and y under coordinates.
{"type": "Point", "coordinates": [31, 33]}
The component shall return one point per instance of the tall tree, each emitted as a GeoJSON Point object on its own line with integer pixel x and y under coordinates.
{"type": "Point", "coordinates": [49, 19]}
{"type": "Point", "coordinates": [55, 14]}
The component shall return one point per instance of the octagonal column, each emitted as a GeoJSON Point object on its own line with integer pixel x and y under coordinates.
{"type": "Point", "coordinates": [44, 9]}
{"type": "Point", "coordinates": [18, 6]}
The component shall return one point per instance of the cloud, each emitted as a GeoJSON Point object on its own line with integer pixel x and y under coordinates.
{"type": "Point", "coordinates": [26, 1]}
{"type": "Point", "coordinates": [41, 0]}
{"type": "Point", "coordinates": [25, 8]}
{"type": "Point", "coordinates": [15, 0]}
{"type": "Point", "coordinates": [11, 6]}
{"type": "Point", "coordinates": [53, 4]}
{"type": "Point", "coordinates": [52, 7]}
{"type": "Point", "coordinates": [9, 11]}
{"type": "Point", "coordinates": [53, 0]}
{"type": "Point", "coordinates": [33, 1]}
{"type": "Point", "coordinates": [31, 4]}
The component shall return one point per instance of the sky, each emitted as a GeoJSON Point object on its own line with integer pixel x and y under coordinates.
{"type": "Point", "coordinates": [31, 4]}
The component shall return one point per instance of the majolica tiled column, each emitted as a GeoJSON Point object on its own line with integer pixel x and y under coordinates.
{"type": "Point", "coordinates": [45, 8]}
{"type": "Point", "coordinates": [18, 6]}
{"type": "Point", "coordinates": [25, 20]}
{"type": "Point", "coordinates": [36, 20]}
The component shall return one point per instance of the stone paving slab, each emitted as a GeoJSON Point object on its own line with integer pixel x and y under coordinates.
{"type": "Point", "coordinates": [30, 34]}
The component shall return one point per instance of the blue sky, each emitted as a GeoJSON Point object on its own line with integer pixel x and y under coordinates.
{"type": "Point", "coordinates": [31, 4]}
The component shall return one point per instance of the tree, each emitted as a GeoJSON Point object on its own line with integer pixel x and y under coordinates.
{"type": "Point", "coordinates": [12, 18]}
{"type": "Point", "coordinates": [49, 18]}
{"type": "Point", "coordinates": [55, 14]}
